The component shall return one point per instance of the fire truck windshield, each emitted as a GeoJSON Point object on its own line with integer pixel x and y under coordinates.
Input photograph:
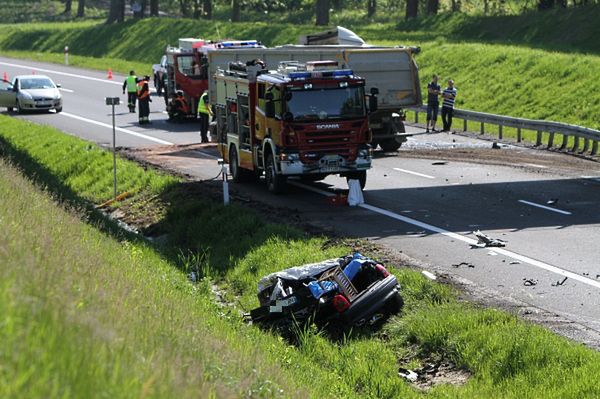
{"type": "Point", "coordinates": [325, 103]}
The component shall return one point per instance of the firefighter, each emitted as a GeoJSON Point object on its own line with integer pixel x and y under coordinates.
{"type": "Point", "coordinates": [205, 114]}
{"type": "Point", "coordinates": [130, 84]}
{"type": "Point", "coordinates": [143, 95]}
{"type": "Point", "coordinates": [179, 108]}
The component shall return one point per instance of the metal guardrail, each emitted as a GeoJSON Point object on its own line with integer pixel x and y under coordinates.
{"type": "Point", "coordinates": [590, 137]}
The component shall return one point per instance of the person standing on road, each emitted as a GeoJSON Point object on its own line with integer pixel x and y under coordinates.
{"type": "Point", "coordinates": [143, 95]}
{"type": "Point", "coordinates": [205, 114]}
{"type": "Point", "coordinates": [433, 103]}
{"type": "Point", "coordinates": [130, 84]}
{"type": "Point", "coordinates": [449, 96]}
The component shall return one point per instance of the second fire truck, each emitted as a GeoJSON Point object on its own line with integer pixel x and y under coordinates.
{"type": "Point", "coordinates": [305, 119]}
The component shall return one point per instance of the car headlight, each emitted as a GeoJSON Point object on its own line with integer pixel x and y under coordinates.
{"type": "Point", "coordinates": [25, 96]}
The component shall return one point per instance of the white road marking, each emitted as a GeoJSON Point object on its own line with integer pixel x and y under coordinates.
{"type": "Point", "coordinates": [120, 129]}
{"type": "Point", "coordinates": [66, 90]}
{"type": "Point", "coordinates": [414, 173]}
{"type": "Point", "coordinates": [535, 165]}
{"type": "Point", "coordinates": [594, 178]}
{"type": "Point", "coordinates": [73, 75]}
{"type": "Point", "coordinates": [545, 207]}
{"type": "Point", "coordinates": [459, 237]}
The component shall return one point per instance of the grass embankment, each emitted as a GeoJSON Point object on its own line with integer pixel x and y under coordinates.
{"type": "Point", "coordinates": [92, 313]}
{"type": "Point", "coordinates": [497, 78]}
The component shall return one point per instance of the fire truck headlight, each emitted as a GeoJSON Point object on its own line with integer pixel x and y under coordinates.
{"type": "Point", "coordinates": [364, 153]}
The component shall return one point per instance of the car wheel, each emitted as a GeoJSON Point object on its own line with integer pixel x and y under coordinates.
{"type": "Point", "coordinates": [275, 183]}
{"type": "Point", "coordinates": [9, 109]}
{"type": "Point", "coordinates": [58, 110]}
{"type": "Point", "coordinates": [19, 109]}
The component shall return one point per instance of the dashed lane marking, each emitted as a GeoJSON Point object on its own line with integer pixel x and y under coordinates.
{"type": "Point", "coordinates": [119, 129]}
{"type": "Point", "coordinates": [545, 207]}
{"type": "Point", "coordinates": [410, 172]}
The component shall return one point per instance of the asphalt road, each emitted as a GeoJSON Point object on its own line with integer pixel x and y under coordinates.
{"type": "Point", "coordinates": [419, 206]}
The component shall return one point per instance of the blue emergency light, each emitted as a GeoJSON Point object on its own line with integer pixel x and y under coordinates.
{"type": "Point", "coordinates": [319, 74]}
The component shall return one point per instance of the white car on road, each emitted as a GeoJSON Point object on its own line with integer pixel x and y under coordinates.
{"type": "Point", "coordinates": [31, 93]}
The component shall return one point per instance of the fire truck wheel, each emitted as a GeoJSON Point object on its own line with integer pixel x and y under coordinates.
{"type": "Point", "coordinates": [238, 174]}
{"type": "Point", "coordinates": [390, 145]}
{"type": "Point", "coordinates": [275, 183]}
{"type": "Point", "coordinates": [360, 176]}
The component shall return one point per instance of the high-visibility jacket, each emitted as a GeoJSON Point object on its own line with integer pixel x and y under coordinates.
{"type": "Point", "coordinates": [142, 89]}
{"type": "Point", "coordinates": [202, 106]}
{"type": "Point", "coordinates": [131, 83]}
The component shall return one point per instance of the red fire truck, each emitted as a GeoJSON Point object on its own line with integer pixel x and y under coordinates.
{"type": "Point", "coordinates": [305, 119]}
{"type": "Point", "coordinates": [187, 72]}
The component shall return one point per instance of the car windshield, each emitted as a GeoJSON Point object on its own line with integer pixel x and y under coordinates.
{"type": "Point", "coordinates": [323, 104]}
{"type": "Point", "coordinates": [36, 83]}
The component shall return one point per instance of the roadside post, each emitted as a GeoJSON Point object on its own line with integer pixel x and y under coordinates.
{"type": "Point", "coordinates": [66, 55]}
{"type": "Point", "coordinates": [114, 101]}
{"type": "Point", "coordinates": [224, 172]}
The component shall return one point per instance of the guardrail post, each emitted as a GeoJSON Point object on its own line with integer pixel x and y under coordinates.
{"type": "Point", "coordinates": [499, 132]}
{"type": "Point", "coordinates": [595, 148]}
{"type": "Point", "coordinates": [482, 131]}
{"type": "Point", "coordinates": [538, 140]}
{"type": "Point", "coordinates": [551, 140]}
{"type": "Point", "coordinates": [575, 144]}
{"type": "Point", "coordinates": [519, 135]}
{"type": "Point", "coordinates": [416, 116]}
{"type": "Point", "coordinates": [565, 141]}
{"type": "Point", "coordinates": [586, 146]}
{"type": "Point", "coordinates": [464, 125]}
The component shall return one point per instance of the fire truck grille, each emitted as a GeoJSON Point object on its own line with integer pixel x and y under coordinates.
{"type": "Point", "coordinates": [327, 138]}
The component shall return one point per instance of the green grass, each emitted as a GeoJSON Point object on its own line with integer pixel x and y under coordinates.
{"type": "Point", "coordinates": [112, 316]}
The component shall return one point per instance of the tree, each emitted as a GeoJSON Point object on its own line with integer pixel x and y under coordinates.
{"type": "Point", "coordinates": [235, 11]}
{"type": "Point", "coordinates": [207, 9]}
{"type": "Point", "coordinates": [412, 8]}
{"type": "Point", "coordinates": [144, 4]}
{"type": "Point", "coordinates": [433, 6]}
{"type": "Point", "coordinates": [455, 6]}
{"type": "Point", "coordinates": [116, 12]}
{"type": "Point", "coordinates": [154, 8]}
{"type": "Point", "coordinates": [322, 11]}
{"type": "Point", "coordinates": [81, 9]}
{"type": "Point", "coordinates": [68, 4]}
{"type": "Point", "coordinates": [371, 7]}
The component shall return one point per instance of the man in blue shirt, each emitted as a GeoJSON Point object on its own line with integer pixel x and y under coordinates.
{"type": "Point", "coordinates": [433, 103]}
{"type": "Point", "coordinates": [449, 96]}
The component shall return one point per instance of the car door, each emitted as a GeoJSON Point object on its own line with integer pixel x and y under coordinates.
{"type": "Point", "coordinates": [8, 97]}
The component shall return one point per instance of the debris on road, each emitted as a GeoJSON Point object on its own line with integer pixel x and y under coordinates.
{"type": "Point", "coordinates": [552, 201]}
{"type": "Point", "coordinates": [457, 265]}
{"type": "Point", "coordinates": [438, 163]}
{"type": "Point", "coordinates": [515, 262]}
{"type": "Point", "coordinates": [486, 241]}
{"type": "Point", "coordinates": [495, 145]}
{"type": "Point", "coordinates": [337, 293]}
{"type": "Point", "coordinates": [408, 375]}
{"type": "Point", "coordinates": [561, 282]}
{"type": "Point", "coordinates": [429, 275]}
{"type": "Point", "coordinates": [528, 282]}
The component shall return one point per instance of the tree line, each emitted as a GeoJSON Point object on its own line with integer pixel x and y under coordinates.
{"type": "Point", "coordinates": [321, 8]}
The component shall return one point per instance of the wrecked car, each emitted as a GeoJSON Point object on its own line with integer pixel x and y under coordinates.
{"type": "Point", "coordinates": [340, 293]}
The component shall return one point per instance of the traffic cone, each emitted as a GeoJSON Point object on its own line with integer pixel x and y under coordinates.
{"type": "Point", "coordinates": [5, 77]}
{"type": "Point", "coordinates": [110, 73]}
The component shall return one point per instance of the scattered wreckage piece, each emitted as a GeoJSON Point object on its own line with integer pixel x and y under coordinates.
{"type": "Point", "coordinates": [561, 282]}
{"type": "Point", "coordinates": [483, 240]}
{"type": "Point", "coordinates": [340, 293]}
{"type": "Point", "coordinates": [529, 282]}
{"type": "Point", "coordinates": [467, 264]}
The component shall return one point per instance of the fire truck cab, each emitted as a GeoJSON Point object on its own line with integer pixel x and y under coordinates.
{"type": "Point", "coordinates": [306, 119]}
